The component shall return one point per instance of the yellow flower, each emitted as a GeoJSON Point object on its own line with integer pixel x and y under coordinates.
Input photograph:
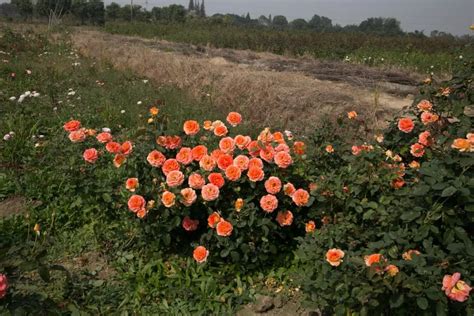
{"type": "Point", "coordinates": [37, 229]}
{"type": "Point", "coordinates": [150, 120]}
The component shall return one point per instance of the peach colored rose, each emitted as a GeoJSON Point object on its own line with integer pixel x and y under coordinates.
{"type": "Point", "coordinates": [200, 254]}
{"type": "Point", "coordinates": [170, 165]}
{"type": "Point", "coordinates": [470, 138]}
{"type": "Point", "coordinates": [174, 178]}
{"type": "Point", "coordinates": [220, 130]}
{"type": "Point", "coordinates": [210, 192]}
{"type": "Point", "coordinates": [417, 150]}
{"type": "Point", "coordinates": [407, 255]}
{"type": "Point", "coordinates": [217, 179]}
{"type": "Point", "coordinates": [284, 218]}
{"type": "Point", "coordinates": [351, 115]}
{"type": "Point", "coordinates": [188, 196]}
{"type": "Point", "coordinates": [119, 160]}
{"type": "Point", "coordinates": [77, 136]}
{"type": "Point", "coordinates": [300, 197]}
{"type": "Point", "coordinates": [414, 165]}
{"type": "Point", "coordinates": [104, 137]}
{"type": "Point", "coordinates": [198, 152]}
{"type": "Point", "coordinates": [90, 155]}
{"type": "Point", "coordinates": [189, 224]}
{"type": "Point", "coordinates": [216, 153]}
{"type": "Point", "coordinates": [273, 185]}
{"type": "Point", "coordinates": [224, 228]}
{"type": "Point", "coordinates": [131, 184]}
{"type": "Point", "coordinates": [278, 137]}
{"type": "Point", "coordinates": [191, 127]}
{"type": "Point", "coordinates": [265, 136]}
{"type": "Point", "coordinates": [269, 203]}
{"type": "Point", "coordinates": [169, 142]}
{"type": "Point", "coordinates": [255, 162]}
{"type": "Point", "coordinates": [142, 213]}
{"type": "Point", "coordinates": [267, 153]}
{"type": "Point", "coordinates": [213, 219]}
{"type": "Point", "coordinates": [455, 288]}
{"type": "Point", "coordinates": [234, 118]}
{"type": "Point", "coordinates": [428, 117]}
{"type": "Point", "coordinates": [136, 203]}
{"type": "Point", "coordinates": [242, 162]}
{"type": "Point", "coordinates": [168, 199]}
{"type": "Point", "coordinates": [113, 147]}
{"type": "Point", "coordinates": [406, 124]}
{"type": "Point", "coordinates": [196, 181]}
{"type": "Point", "coordinates": [425, 139]}
{"type": "Point", "coordinates": [126, 148]}
{"type": "Point", "coordinates": [356, 150]}
{"type": "Point", "coordinates": [207, 125]}
{"type": "Point", "coordinates": [184, 156]}
{"type": "Point", "coordinates": [72, 126]}
{"type": "Point", "coordinates": [461, 144]}
{"type": "Point", "coordinates": [253, 148]}
{"type": "Point", "coordinates": [329, 149]}
{"type": "Point", "coordinates": [154, 111]}
{"type": "Point", "coordinates": [373, 259]}
{"type": "Point", "coordinates": [289, 189]}
{"type": "Point", "coordinates": [225, 161]}
{"type": "Point", "coordinates": [282, 147]}
{"type": "Point", "coordinates": [156, 158]}
{"type": "Point", "coordinates": [424, 105]}
{"type": "Point", "coordinates": [283, 159]}
{"type": "Point", "coordinates": [299, 148]}
{"type": "Point", "coordinates": [334, 256]}
{"type": "Point", "coordinates": [233, 173]}
{"type": "Point", "coordinates": [392, 270]}
{"type": "Point", "coordinates": [3, 285]}
{"type": "Point", "coordinates": [242, 141]}
{"type": "Point", "coordinates": [207, 163]}
{"type": "Point", "coordinates": [255, 174]}
{"type": "Point", "coordinates": [239, 204]}
{"type": "Point", "coordinates": [310, 227]}
{"type": "Point", "coordinates": [227, 145]}
{"type": "Point", "coordinates": [398, 183]}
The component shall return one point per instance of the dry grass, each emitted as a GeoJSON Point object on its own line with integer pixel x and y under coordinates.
{"type": "Point", "coordinates": [283, 99]}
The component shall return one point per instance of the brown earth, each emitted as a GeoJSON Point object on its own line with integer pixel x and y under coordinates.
{"type": "Point", "coordinates": [271, 90]}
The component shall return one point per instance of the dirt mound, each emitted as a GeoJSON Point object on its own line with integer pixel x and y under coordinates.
{"type": "Point", "coordinates": [269, 89]}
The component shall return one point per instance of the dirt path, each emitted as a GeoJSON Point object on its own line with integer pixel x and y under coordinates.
{"type": "Point", "coordinates": [270, 89]}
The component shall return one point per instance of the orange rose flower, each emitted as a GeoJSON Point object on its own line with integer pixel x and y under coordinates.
{"type": "Point", "coordinates": [300, 197]}
{"type": "Point", "coordinates": [224, 228]}
{"type": "Point", "coordinates": [188, 196]}
{"type": "Point", "coordinates": [284, 218]}
{"type": "Point", "coordinates": [119, 160]}
{"type": "Point", "coordinates": [424, 105]}
{"type": "Point", "coordinates": [210, 192]}
{"type": "Point", "coordinates": [198, 152]}
{"type": "Point", "coordinates": [168, 199]}
{"type": "Point", "coordinates": [253, 148]}
{"type": "Point", "coordinates": [392, 270]}
{"type": "Point", "coordinates": [207, 125]}
{"type": "Point", "coordinates": [200, 254]}
{"type": "Point", "coordinates": [428, 117]}
{"type": "Point", "coordinates": [278, 137]}
{"type": "Point", "coordinates": [267, 153]}
{"type": "Point", "coordinates": [220, 130]}
{"type": "Point", "coordinates": [174, 178]}
{"type": "Point", "coordinates": [265, 136]}
{"type": "Point", "coordinates": [224, 161]}
{"type": "Point", "coordinates": [126, 148]}
{"type": "Point", "coordinates": [72, 126]}
{"type": "Point", "coordinates": [372, 259]}
{"type": "Point", "coordinates": [189, 224]}
{"type": "Point", "coordinates": [255, 162]}
{"type": "Point", "coordinates": [461, 144]}
{"type": "Point", "coordinates": [282, 147]}
{"type": "Point", "coordinates": [77, 136]}
{"type": "Point", "coordinates": [334, 256]}
{"type": "Point", "coordinates": [408, 254]}
{"type": "Point", "coordinates": [90, 155]}
{"type": "Point", "coordinates": [283, 159]}
{"type": "Point", "coordinates": [269, 203]}
{"type": "Point", "coordinates": [242, 162]}
{"type": "Point", "coordinates": [207, 163]}
{"type": "Point", "coordinates": [233, 173]}
{"type": "Point", "coordinates": [310, 227]}
{"type": "Point", "coordinates": [329, 149]}
{"type": "Point", "coordinates": [217, 179]}
{"type": "Point", "coordinates": [196, 181]}
{"type": "Point", "coordinates": [242, 141]}
{"type": "Point", "coordinates": [216, 153]}
{"type": "Point", "coordinates": [113, 147]}
{"type": "Point", "coordinates": [352, 115]}
{"type": "Point", "coordinates": [398, 183]}
{"type": "Point", "coordinates": [454, 288]}
{"type": "Point", "coordinates": [184, 156]}
{"type": "Point", "coordinates": [104, 137]}
{"type": "Point", "coordinates": [425, 139]}
{"type": "Point", "coordinates": [417, 150]}
{"type": "Point", "coordinates": [136, 203]}
{"type": "Point", "coordinates": [213, 219]}
{"type": "Point", "coordinates": [227, 145]}
{"type": "Point", "coordinates": [234, 118]}
{"type": "Point", "coordinates": [414, 164]}
{"type": "Point", "coordinates": [131, 184]}
{"type": "Point", "coordinates": [154, 111]}
{"type": "Point", "coordinates": [156, 158]}
{"type": "Point", "coordinates": [289, 189]}
{"type": "Point", "coordinates": [191, 127]}
{"type": "Point", "coordinates": [273, 185]}
{"type": "Point", "coordinates": [239, 204]}
{"type": "Point", "coordinates": [142, 213]}
{"type": "Point", "coordinates": [406, 124]}
{"type": "Point", "coordinates": [255, 174]}
{"type": "Point", "coordinates": [170, 165]}
{"type": "Point", "coordinates": [299, 148]}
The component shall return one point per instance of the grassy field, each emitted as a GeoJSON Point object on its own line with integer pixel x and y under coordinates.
{"type": "Point", "coordinates": [423, 55]}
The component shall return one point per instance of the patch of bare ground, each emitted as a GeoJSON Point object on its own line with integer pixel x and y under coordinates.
{"type": "Point", "coordinates": [271, 90]}
{"type": "Point", "coordinates": [15, 205]}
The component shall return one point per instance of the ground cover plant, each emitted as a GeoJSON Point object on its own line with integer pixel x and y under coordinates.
{"type": "Point", "coordinates": [138, 200]}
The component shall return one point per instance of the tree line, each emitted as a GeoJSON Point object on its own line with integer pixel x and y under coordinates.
{"type": "Point", "coordinates": [95, 12]}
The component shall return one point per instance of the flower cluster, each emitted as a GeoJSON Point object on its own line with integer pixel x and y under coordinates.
{"type": "Point", "coordinates": [3, 285]}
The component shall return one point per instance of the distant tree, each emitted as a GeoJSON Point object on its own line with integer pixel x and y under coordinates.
{"type": "Point", "coordinates": [9, 10]}
{"type": "Point", "coordinates": [320, 23]}
{"type": "Point", "coordinates": [264, 21]}
{"type": "Point", "coordinates": [381, 26]}
{"type": "Point", "coordinates": [191, 5]}
{"type": "Point", "coordinates": [299, 24]}
{"type": "Point", "coordinates": [202, 10]}
{"type": "Point", "coordinates": [46, 7]}
{"type": "Point", "coordinates": [156, 13]}
{"type": "Point", "coordinates": [172, 13]}
{"type": "Point", "coordinates": [280, 22]}
{"type": "Point", "coordinates": [247, 17]}
{"type": "Point", "coordinates": [96, 12]}
{"type": "Point", "coordinates": [25, 7]}
{"type": "Point", "coordinates": [112, 11]}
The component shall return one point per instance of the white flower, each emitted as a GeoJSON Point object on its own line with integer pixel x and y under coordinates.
{"type": "Point", "coordinates": [21, 98]}
{"type": "Point", "coordinates": [28, 72]}
{"type": "Point", "coordinates": [27, 93]}
{"type": "Point", "coordinates": [7, 137]}
{"type": "Point", "coordinates": [106, 130]}
{"type": "Point", "coordinates": [41, 136]}
{"type": "Point", "coordinates": [123, 111]}
{"type": "Point", "coordinates": [71, 93]}
{"type": "Point", "coordinates": [460, 57]}
{"type": "Point", "coordinates": [12, 98]}
{"type": "Point", "coordinates": [55, 108]}
{"type": "Point", "coordinates": [145, 81]}
{"type": "Point", "coordinates": [12, 133]}
{"type": "Point", "coordinates": [139, 102]}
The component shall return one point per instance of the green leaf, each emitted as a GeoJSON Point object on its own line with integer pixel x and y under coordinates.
{"type": "Point", "coordinates": [422, 303]}
{"type": "Point", "coordinates": [448, 191]}
{"type": "Point", "coordinates": [43, 272]}
{"type": "Point", "coordinates": [396, 300]}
